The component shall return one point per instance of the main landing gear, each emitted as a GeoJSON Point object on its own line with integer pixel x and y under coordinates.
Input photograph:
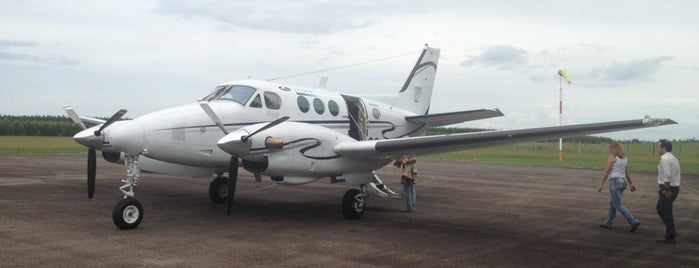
{"type": "Point", "coordinates": [128, 212]}
{"type": "Point", "coordinates": [218, 189]}
{"type": "Point", "coordinates": [353, 203]}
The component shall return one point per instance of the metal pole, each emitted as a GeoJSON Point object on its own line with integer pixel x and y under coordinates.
{"type": "Point", "coordinates": [560, 117]}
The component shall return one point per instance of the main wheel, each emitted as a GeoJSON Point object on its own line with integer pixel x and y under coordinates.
{"type": "Point", "coordinates": [353, 204]}
{"type": "Point", "coordinates": [218, 190]}
{"type": "Point", "coordinates": [127, 213]}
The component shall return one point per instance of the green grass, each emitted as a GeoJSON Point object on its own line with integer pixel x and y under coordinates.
{"type": "Point", "coordinates": [642, 156]}
{"type": "Point", "coordinates": [38, 145]}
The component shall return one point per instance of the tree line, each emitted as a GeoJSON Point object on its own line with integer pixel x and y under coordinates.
{"type": "Point", "coordinates": [37, 126]}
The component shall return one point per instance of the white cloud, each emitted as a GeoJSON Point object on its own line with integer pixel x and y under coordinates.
{"type": "Point", "coordinates": [501, 57]}
{"type": "Point", "coordinates": [634, 69]}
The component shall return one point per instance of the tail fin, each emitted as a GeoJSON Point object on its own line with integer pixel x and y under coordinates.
{"type": "Point", "coordinates": [416, 93]}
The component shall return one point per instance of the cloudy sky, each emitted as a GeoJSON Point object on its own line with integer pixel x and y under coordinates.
{"type": "Point", "coordinates": [626, 59]}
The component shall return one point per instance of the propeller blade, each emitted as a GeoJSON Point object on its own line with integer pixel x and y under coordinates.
{"type": "Point", "coordinates": [271, 124]}
{"type": "Point", "coordinates": [111, 120]}
{"type": "Point", "coordinates": [91, 170]}
{"type": "Point", "coordinates": [210, 112]}
{"type": "Point", "coordinates": [232, 180]}
{"type": "Point", "coordinates": [74, 116]}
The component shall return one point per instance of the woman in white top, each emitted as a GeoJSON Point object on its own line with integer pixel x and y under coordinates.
{"type": "Point", "coordinates": [618, 173]}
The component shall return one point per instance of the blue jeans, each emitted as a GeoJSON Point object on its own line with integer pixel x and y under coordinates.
{"type": "Point", "coordinates": [409, 191]}
{"type": "Point", "coordinates": [617, 186]}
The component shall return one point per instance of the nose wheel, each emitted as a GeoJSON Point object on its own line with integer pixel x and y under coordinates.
{"type": "Point", "coordinates": [127, 213]}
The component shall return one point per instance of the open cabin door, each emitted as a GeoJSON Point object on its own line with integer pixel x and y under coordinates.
{"type": "Point", "coordinates": [356, 112]}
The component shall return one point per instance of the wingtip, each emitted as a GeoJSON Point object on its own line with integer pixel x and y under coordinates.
{"type": "Point", "coordinates": [647, 120]}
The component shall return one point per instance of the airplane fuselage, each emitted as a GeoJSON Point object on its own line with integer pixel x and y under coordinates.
{"type": "Point", "coordinates": [186, 135]}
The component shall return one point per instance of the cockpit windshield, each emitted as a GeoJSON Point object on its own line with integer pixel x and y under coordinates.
{"type": "Point", "coordinates": [237, 93]}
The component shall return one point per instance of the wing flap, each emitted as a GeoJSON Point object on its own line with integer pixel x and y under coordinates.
{"type": "Point", "coordinates": [458, 142]}
{"type": "Point", "coordinates": [444, 119]}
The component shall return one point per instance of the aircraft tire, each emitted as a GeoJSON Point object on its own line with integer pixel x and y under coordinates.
{"type": "Point", "coordinates": [218, 190]}
{"type": "Point", "coordinates": [352, 208]}
{"type": "Point", "coordinates": [127, 213]}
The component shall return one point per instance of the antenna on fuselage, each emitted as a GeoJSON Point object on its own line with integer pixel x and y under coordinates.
{"type": "Point", "coordinates": [323, 82]}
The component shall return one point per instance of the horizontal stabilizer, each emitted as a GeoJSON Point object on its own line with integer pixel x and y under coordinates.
{"type": "Point", "coordinates": [444, 119]}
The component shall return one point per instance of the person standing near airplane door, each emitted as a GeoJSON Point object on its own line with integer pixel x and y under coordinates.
{"type": "Point", "coordinates": [617, 171]}
{"type": "Point", "coordinates": [408, 181]}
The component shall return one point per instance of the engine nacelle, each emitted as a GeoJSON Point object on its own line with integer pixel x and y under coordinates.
{"type": "Point", "coordinates": [113, 157]}
{"type": "Point", "coordinates": [306, 150]}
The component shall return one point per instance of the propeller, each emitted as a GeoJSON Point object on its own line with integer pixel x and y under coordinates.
{"type": "Point", "coordinates": [232, 181]}
{"type": "Point", "coordinates": [111, 120]}
{"type": "Point", "coordinates": [92, 143]}
{"type": "Point", "coordinates": [210, 112]}
{"type": "Point", "coordinates": [271, 124]}
{"type": "Point", "coordinates": [91, 172]}
{"type": "Point", "coordinates": [233, 165]}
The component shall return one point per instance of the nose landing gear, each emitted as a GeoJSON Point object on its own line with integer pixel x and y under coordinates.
{"type": "Point", "coordinates": [128, 212]}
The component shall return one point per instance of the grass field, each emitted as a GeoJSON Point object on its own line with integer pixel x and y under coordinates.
{"type": "Point", "coordinates": [642, 156]}
{"type": "Point", "coordinates": [38, 145]}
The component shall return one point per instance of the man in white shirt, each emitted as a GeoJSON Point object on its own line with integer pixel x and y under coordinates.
{"type": "Point", "coordinates": [668, 188]}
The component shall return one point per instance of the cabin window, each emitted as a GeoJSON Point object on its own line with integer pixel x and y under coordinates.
{"type": "Point", "coordinates": [319, 106]}
{"type": "Point", "coordinates": [303, 103]}
{"type": "Point", "coordinates": [256, 102]}
{"type": "Point", "coordinates": [272, 100]}
{"type": "Point", "coordinates": [333, 107]}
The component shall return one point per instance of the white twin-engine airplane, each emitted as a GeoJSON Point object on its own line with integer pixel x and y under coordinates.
{"type": "Point", "coordinates": [295, 135]}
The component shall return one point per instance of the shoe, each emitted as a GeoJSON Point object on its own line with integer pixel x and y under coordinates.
{"type": "Point", "coordinates": [606, 226]}
{"type": "Point", "coordinates": [665, 241]}
{"type": "Point", "coordinates": [404, 210]}
{"type": "Point", "coordinates": [633, 227]}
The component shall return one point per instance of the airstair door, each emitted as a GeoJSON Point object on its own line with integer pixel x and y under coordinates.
{"type": "Point", "coordinates": [356, 113]}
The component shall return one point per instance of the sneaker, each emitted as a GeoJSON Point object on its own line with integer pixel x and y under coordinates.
{"type": "Point", "coordinates": [634, 227]}
{"type": "Point", "coordinates": [606, 226]}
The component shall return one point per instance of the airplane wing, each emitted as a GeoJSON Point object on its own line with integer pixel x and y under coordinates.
{"type": "Point", "coordinates": [93, 121]}
{"type": "Point", "coordinates": [458, 142]}
{"type": "Point", "coordinates": [444, 119]}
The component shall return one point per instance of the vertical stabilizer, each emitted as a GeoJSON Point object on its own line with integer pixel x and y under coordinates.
{"type": "Point", "coordinates": [416, 93]}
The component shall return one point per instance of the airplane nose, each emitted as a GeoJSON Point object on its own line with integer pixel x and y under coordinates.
{"type": "Point", "coordinates": [128, 137]}
{"type": "Point", "coordinates": [88, 139]}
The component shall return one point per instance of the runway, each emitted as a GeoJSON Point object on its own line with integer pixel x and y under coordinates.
{"type": "Point", "coordinates": [468, 215]}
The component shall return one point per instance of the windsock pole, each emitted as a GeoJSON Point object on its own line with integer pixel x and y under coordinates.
{"type": "Point", "coordinates": [561, 75]}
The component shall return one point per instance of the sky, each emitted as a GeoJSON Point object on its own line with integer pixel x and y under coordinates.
{"type": "Point", "coordinates": [626, 59]}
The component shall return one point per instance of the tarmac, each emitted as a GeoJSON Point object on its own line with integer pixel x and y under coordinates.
{"type": "Point", "coordinates": [468, 215]}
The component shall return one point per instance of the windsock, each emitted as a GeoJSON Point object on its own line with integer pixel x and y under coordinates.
{"type": "Point", "coordinates": [563, 73]}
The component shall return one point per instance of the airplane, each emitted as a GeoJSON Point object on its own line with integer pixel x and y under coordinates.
{"type": "Point", "coordinates": [296, 135]}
